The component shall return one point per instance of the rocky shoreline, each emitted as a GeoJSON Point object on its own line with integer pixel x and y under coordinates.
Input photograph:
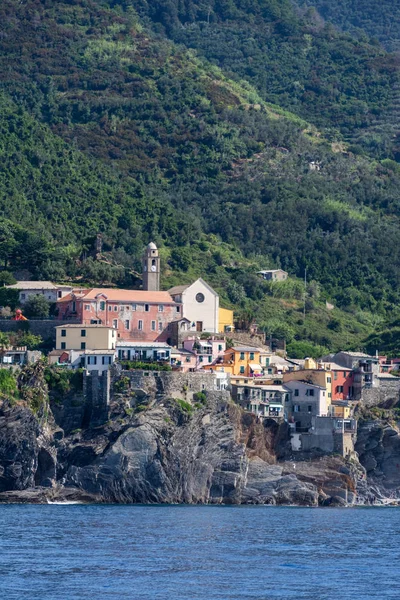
{"type": "Point", "coordinates": [171, 451]}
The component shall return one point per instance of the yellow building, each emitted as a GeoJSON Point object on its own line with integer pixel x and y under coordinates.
{"type": "Point", "coordinates": [340, 411]}
{"type": "Point", "coordinates": [315, 376]}
{"type": "Point", "coordinates": [85, 337]}
{"type": "Point", "coordinates": [225, 320]}
{"type": "Point", "coordinates": [239, 360]}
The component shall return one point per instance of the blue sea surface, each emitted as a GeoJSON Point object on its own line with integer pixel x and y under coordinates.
{"type": "Point", "coordinates": [80, 552]}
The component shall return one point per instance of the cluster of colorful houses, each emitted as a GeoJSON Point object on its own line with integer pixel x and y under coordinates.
{"type": "Point", "coordinates": [186, 329]}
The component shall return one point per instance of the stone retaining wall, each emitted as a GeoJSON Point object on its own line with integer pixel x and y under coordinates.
{"type": "Point", "coordinates": [386, 391]}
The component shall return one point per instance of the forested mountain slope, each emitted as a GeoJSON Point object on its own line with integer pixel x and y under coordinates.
{"type": "Point", "coordinates": [107, 127]}
{"type": "Point", "coordinates": [378, 19]}
{"type": "Point", "coordinates": [291, 56]}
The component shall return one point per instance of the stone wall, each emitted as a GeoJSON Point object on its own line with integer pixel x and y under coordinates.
{"type": "Point", "coordinates": [385, 392]}
{"type": "Point", "coordinates": [96, 391]}
{"type": "Point", "coordinates": [46, 328]}
{"type": "Point", "coordinates": [170, 384]}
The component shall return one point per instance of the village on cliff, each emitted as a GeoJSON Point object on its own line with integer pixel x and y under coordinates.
{"type": "Point", "coordinates": [183, 342]}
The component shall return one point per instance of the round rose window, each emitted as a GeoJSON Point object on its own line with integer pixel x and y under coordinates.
{"type": "Point", "coordinates": [200, 297]}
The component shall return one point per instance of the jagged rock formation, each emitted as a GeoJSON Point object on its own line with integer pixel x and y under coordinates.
{"type": "Point", "coordinates": [378, 446]}
{"type": "Point", "coordinates": [170, 452]}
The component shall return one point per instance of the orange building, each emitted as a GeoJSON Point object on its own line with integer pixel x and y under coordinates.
{"type": "Point", "coordinates": [239, 360]}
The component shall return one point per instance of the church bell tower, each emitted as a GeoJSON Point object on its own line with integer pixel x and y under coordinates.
{"type": "Point", "coordinates": [151, 268]}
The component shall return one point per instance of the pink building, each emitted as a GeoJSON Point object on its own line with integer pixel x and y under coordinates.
{"type": "Point", "coordinates": [206, 351]}
{"type": "Point", "coordinates": [138, 315]}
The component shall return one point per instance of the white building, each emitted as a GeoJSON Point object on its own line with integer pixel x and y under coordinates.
{"type": "Point", "coordinates": [200, 305]}
{"type": "Point", "coordinates": [52, 292]}
{"type": "Point", "coordinates": [148, 351]}
{"type": "Point", "coordinates": [307, 401]}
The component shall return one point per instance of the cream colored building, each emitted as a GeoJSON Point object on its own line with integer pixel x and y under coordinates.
{"type": "Point", "coordinates": [85, 337]}
{"type": "Point", "coordinates": [200, 305]}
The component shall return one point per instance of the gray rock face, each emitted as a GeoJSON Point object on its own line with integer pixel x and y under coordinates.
{"type": "Point", "coordinates": [378, 446]}
{"type": "Point", "coordinates": [169, 453]}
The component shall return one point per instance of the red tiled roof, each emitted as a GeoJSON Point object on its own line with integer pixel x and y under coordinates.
{"type": "Point", "coordinates": [115, 295]}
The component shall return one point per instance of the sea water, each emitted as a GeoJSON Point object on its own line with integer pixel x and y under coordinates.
{"type": "Point", "coordinates": [198, 553]}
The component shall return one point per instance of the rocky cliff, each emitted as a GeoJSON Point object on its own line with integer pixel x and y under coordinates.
{"type": "Point", "coordinates": [165, 451]}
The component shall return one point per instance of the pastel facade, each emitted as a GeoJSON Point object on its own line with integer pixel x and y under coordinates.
{"type": "Point", "coordinates": [85, 337]}
{"type": "Point", "coordinates": [183, 360]}
{"type": "Point", "coordinates": [240, 360]}
{"type": "Point", "coordinates": [342, 382]}
{"type": "Point", "coordinates": [225, 320]}
{"type": "Point", "coordinates": [265, 401]}
{"type": "Point", "coordinates": [200, 305]}
{"type": "Point", "coordinates": [320, 377]}
{"type": "Point", "coordinates": [206, 350]}
{"type": "Point", "coordinates": [135, 314]}
{"type": "Point", "coordinates": [307, 401]}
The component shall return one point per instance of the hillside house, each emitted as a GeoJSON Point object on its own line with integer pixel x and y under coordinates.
{"type": "Point", "coordinates": [138, 315]}
{"type": "Point", "coordinates": [144, 351]}
{"type": "Point", "coordinates": [273, 275]}
{"type": "Point", "coordinates": [85, 337]}
{"type": "Point", "coordinates": [239, 360]}
{"type": "Point", "coordinates": [51, 291]}
{"type": "Point", "coordinates": [306, 401]}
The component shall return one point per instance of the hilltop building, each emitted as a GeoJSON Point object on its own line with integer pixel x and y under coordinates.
{"type": "Point", "coordinates": [273, 275]}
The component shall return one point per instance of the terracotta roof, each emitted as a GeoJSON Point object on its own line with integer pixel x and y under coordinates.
{"type": "Point", "coordinates": [83, 326]}
{"type": "Point", "coordinates": [116, 295]}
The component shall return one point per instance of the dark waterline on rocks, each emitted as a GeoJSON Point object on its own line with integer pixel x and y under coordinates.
{"type": "Point", "coordinates": [198, 552]}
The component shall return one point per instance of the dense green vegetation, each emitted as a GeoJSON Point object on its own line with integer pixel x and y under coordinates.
{"type": "Point", "coordinates": [290, 56]}
{"type": "Point", "coordinates": [378, 19]}
{"type": "Point", "coordinates": [109, 127]}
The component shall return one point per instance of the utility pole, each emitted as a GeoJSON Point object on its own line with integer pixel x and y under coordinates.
{"type": "Point", "coordinates": [305, 293]}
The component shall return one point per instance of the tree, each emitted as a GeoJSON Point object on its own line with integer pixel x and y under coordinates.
{"type": "Point", "coordinates": [7, 278]}
{"type": "Point", "coordinates": [37, 306]}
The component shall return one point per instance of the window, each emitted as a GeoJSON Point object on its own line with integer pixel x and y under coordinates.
{"type": "Point", "coordinates": [200, 297]}
{"type": "Point", "coordinates": [296, 392]}
{"type": "Point", "coordinates": [310, 408]}
{"type": "Point", "coordinates": [146, 308]}
{"type": "Point", "coordinates": [115, 308]}
{"type": "Point", "coordinates": [63, 345]}
{"type": "Point", "coordinates": [335, 375]}
{"type": "Point", "coordinates": [109, 307]}
{"type": "Point", "coordinates": [251, 355]}
{"type": "Point", "coordinates": [153, 325]}
{"type": "Point", "coordinates": [23, 296]}
{"type": "Point", "coordinates": [160, 326]}
{"type": "Point", "coordinates": [83, 346]}
{"type": "Point", "coordinates": [242, 356]}
{"type": "Point", "coordinates": [109, 360]}
{"type": "Point", "coordinates": [92, 360]}
{"type": "Point", "coordinates": [200, 359]}
{"type": "Point", "coordinates": [102, 305]}
{"type": "Point", "coordinates": [210, 359]}
{"type": "Point", "coordinates": [242, 370]}
{"type": "Point", "coordinates": [74, 306]}
{"type": "Point", "coordinates": [310, 393]}
{"type": "Point", "coordinates": [133, 306]}
{"type": "Point", "coordinates": [267, 362]}
{"type": "Point", "coordinates": [87, 306]}
{"type": "Point", "coordinates": [329, 395]}
{"type": "Point", "coordinates": [329, 379]}
{"type": "Point", "coordinates": [140, 325]}
{"type": "Point", "coordinates": [127, 324]}
{"type": "Point", "coordinates": [178, 309]}
{"type": "Point", "coordinates": [219, 348]}
{"type": "Point", "coordinates": [63, 333]}
{"type": "Point", "coordinates": [115, 323]}
{"type": "Point", "coordinates": [339, 389]}
{"type": "Point", "coordinates": [160, 308]}
{"type": "Point", "coordinates": [83, 332]}
{"type": "Point", "coordinates": [297, 408]}
{"type": "Point", "coordinates": [59, 294]}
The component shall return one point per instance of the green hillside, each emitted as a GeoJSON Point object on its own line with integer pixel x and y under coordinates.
{"type": "Point", "coordinates": [109, 127]}
{"type": "Point", "coordinates": [380, 20]}
{"type": "Point", "coordinates": [291, 56]}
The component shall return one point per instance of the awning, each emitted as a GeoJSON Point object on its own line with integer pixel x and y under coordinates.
{"type": "Point", "coordinates": [255, 367]}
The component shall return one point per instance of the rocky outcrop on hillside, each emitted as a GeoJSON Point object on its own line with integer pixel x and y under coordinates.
{"type": "Point", "coordinates": [167, 452]}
